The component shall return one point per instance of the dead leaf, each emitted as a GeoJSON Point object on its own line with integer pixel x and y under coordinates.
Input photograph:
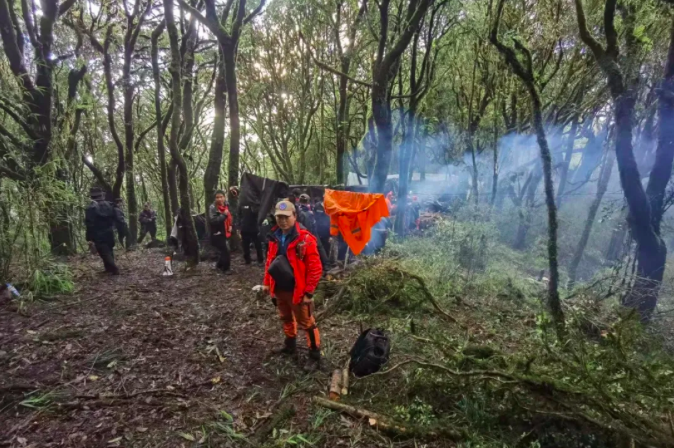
{"type": "Point", "coordinates": [115, 441]}
{"type": "Point", "coordinates": [93, 377]}
{"type": "Point", "coordinates": [141, 429]}
{"type": "Point", "coordinates": [187, 436]}
{"type": "Point", "coordinates": [21, 440]}
{"type": "Point", "coordinates": [220, 357]}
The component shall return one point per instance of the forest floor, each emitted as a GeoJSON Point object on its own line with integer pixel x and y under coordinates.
{"type": "Point", "coordinates": [142, 360]}
{"type": "Point", "coordinates": [146, 360]}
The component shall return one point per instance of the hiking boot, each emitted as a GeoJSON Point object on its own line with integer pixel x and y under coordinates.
{"type": "Point", "coordinates": [313, 361]}
{"type": "Point", "coordinates": [289, 347]}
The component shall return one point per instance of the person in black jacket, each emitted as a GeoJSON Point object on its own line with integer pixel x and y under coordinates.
{"type": "Point", "coordinates": [220, 220]}
{"type": "Point", "coordinates": [322, 226]}
{"type": "Point", "coordinates": [250, 232]}
{"type": "Point", "coordinates": [122, 229]}
{"type": "Point", "coordinates": [307, 218]}
{"type": "Point", "coordinates": [101, 218]}
{"type": "Point", "coordinates": [148, 223]}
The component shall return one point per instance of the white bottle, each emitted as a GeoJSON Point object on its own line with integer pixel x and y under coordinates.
{"type": "Point", "coordinates": [168, 269]}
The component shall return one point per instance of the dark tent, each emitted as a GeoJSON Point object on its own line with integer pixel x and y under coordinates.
{"type": "Point", "coordinates": [261, 193]}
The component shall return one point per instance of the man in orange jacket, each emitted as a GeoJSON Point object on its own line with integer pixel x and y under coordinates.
{"type": "Point", "coordinates": [291, 275]}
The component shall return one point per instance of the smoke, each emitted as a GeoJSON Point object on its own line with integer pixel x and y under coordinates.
{"type": "Point", "coordinates": [443, 168]}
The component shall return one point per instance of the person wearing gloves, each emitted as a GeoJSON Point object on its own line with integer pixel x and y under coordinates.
{"type": "Point", "coordinates": [291, 275]}
{"type": "Point", "coordinates": [220, 220]}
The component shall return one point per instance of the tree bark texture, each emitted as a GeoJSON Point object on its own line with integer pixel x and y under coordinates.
{"type": "Point", "coordinates": [161, 149]}
{"type": "Point", "coordinates": [191, 243]}
{"type": "Point", "coordinates": [651, 250]}
{"type": "Point", "coordinates": [212, 174]}
{"type": "Point", "coordinates": [130, 38]}
{"type": "Point", "coordinates": [526, 75]}
{"type": "Point", "coordinates": [385, 62]}
{"type": "Point", "coordinates": [564, 169]}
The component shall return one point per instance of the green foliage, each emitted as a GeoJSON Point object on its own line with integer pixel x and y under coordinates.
{"type": "Point", "coordinates": [55, 279]}
{"type": "Point", "coordinates": [499, 371]}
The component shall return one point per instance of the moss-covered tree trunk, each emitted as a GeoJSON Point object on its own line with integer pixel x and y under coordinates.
{"type": "Point", "coordinates": [190, 241]}
{"type": "Point", "coordinates": [526, 75]}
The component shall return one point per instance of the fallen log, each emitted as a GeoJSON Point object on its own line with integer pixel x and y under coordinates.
{"type": "Point", "coordinates": [335, 385]}
{"type": "Point", "coordinates": [384, 423]}
{"type": "Point", "coordinates": [345, 379]}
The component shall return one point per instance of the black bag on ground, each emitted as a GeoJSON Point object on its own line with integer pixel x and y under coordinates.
{"type": "Point", "coordinates": [370, 352]}
{"type": "Point", "coordinates": [282, 273]}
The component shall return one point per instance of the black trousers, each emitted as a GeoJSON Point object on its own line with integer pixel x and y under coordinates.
{"type": "Point", "coordinates": [325, 261]}
{"type": "Point", "coordinates": [108, 257]}
{"type": "Point", "coordinates": [249, 238]}
{"type": "Point", "coordinates": [220, 243]}
{"type": "Point", "coordinates": [150, 227]}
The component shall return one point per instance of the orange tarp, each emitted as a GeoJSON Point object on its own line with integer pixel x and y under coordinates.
{"type": "Point", "coordinates": [353, 215]}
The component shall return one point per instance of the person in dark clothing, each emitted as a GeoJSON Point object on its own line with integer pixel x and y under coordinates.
{"type": "Point", "coordinates": [220, 220]}
{"type": "Point", "coordinates": [101, 218]}
{"type": "Point", "coordinates": [123, 229]}
{"type": "Point", "coordinates": [250, 232]}
{"type": "Point", "coordinates": [322, 226]}
{"type": "Point", "coordinates": [306, 218]}
{"type": "Point", "coordinates": [148, 223]}
{"type": "Point", "coordinates": [309, 219]}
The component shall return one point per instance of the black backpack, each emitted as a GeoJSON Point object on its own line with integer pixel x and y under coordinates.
{"type": "Point", "coordinates": [370, 352]}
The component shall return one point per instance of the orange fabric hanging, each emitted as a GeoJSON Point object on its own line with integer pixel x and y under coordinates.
{"type": "Point", "coordinates": [353, 215]}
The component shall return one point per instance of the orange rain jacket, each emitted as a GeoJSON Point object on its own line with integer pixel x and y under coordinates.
{"type": "Point", "coordinates": [353, 215]}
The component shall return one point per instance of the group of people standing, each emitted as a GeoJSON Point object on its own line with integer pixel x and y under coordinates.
{"type": "Point", "coordinates": [294, 263]}
{"type": "Point", "coordinates": [297, 234]}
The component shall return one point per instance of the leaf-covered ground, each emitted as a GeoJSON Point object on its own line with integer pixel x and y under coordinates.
{"type": "Point", "coordinates": [144, 360]}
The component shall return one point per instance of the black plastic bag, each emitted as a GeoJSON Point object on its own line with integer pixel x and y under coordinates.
{"type": "Point", "coordinates": [370, 352]}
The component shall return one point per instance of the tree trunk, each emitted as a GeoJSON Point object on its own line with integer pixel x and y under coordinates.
{"type": "Point", "coordinates": [526, 75]}
{"type": "Point", "coordinates": [404, 169]}
{"type": "Point", "coordinates": [342, 119]}
{"type": "Point", "coordinates": [553, 293]}
{"type": "Point", "coordinates": [526, 210]}
{"type": "Point", "coordinates": [564, 170]}
{"type": "Point", "coordinates": [61, 235]}
{"type": "Point", "coordinates": [161, 150]}
{"type": "Point", "coordinates": [494, 182]}
{"type": "Point", "coordinates": [131, 200]}
{"type": "Point", "coordinates": [381, 109]}
{"type": "Point", "coordinates": [602, 185]}
{"type": "Point", "coordinates": [191, 243]}
{"type": "Point", "coordinates": [172, 177]}
{"type": "Point", "coordinates": [229, 53]}
{"type": "Point", "coordinates": [474, 191]}
{"type": "Point", "coordinates": [212, 174]}
{"type": "Point", "coordinates": [651, 251]}
{"type": "Point", "coordinates": [664, 155]}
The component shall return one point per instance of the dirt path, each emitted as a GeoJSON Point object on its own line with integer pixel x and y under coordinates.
{"type": "Point", "coordinates": [145, 360]}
